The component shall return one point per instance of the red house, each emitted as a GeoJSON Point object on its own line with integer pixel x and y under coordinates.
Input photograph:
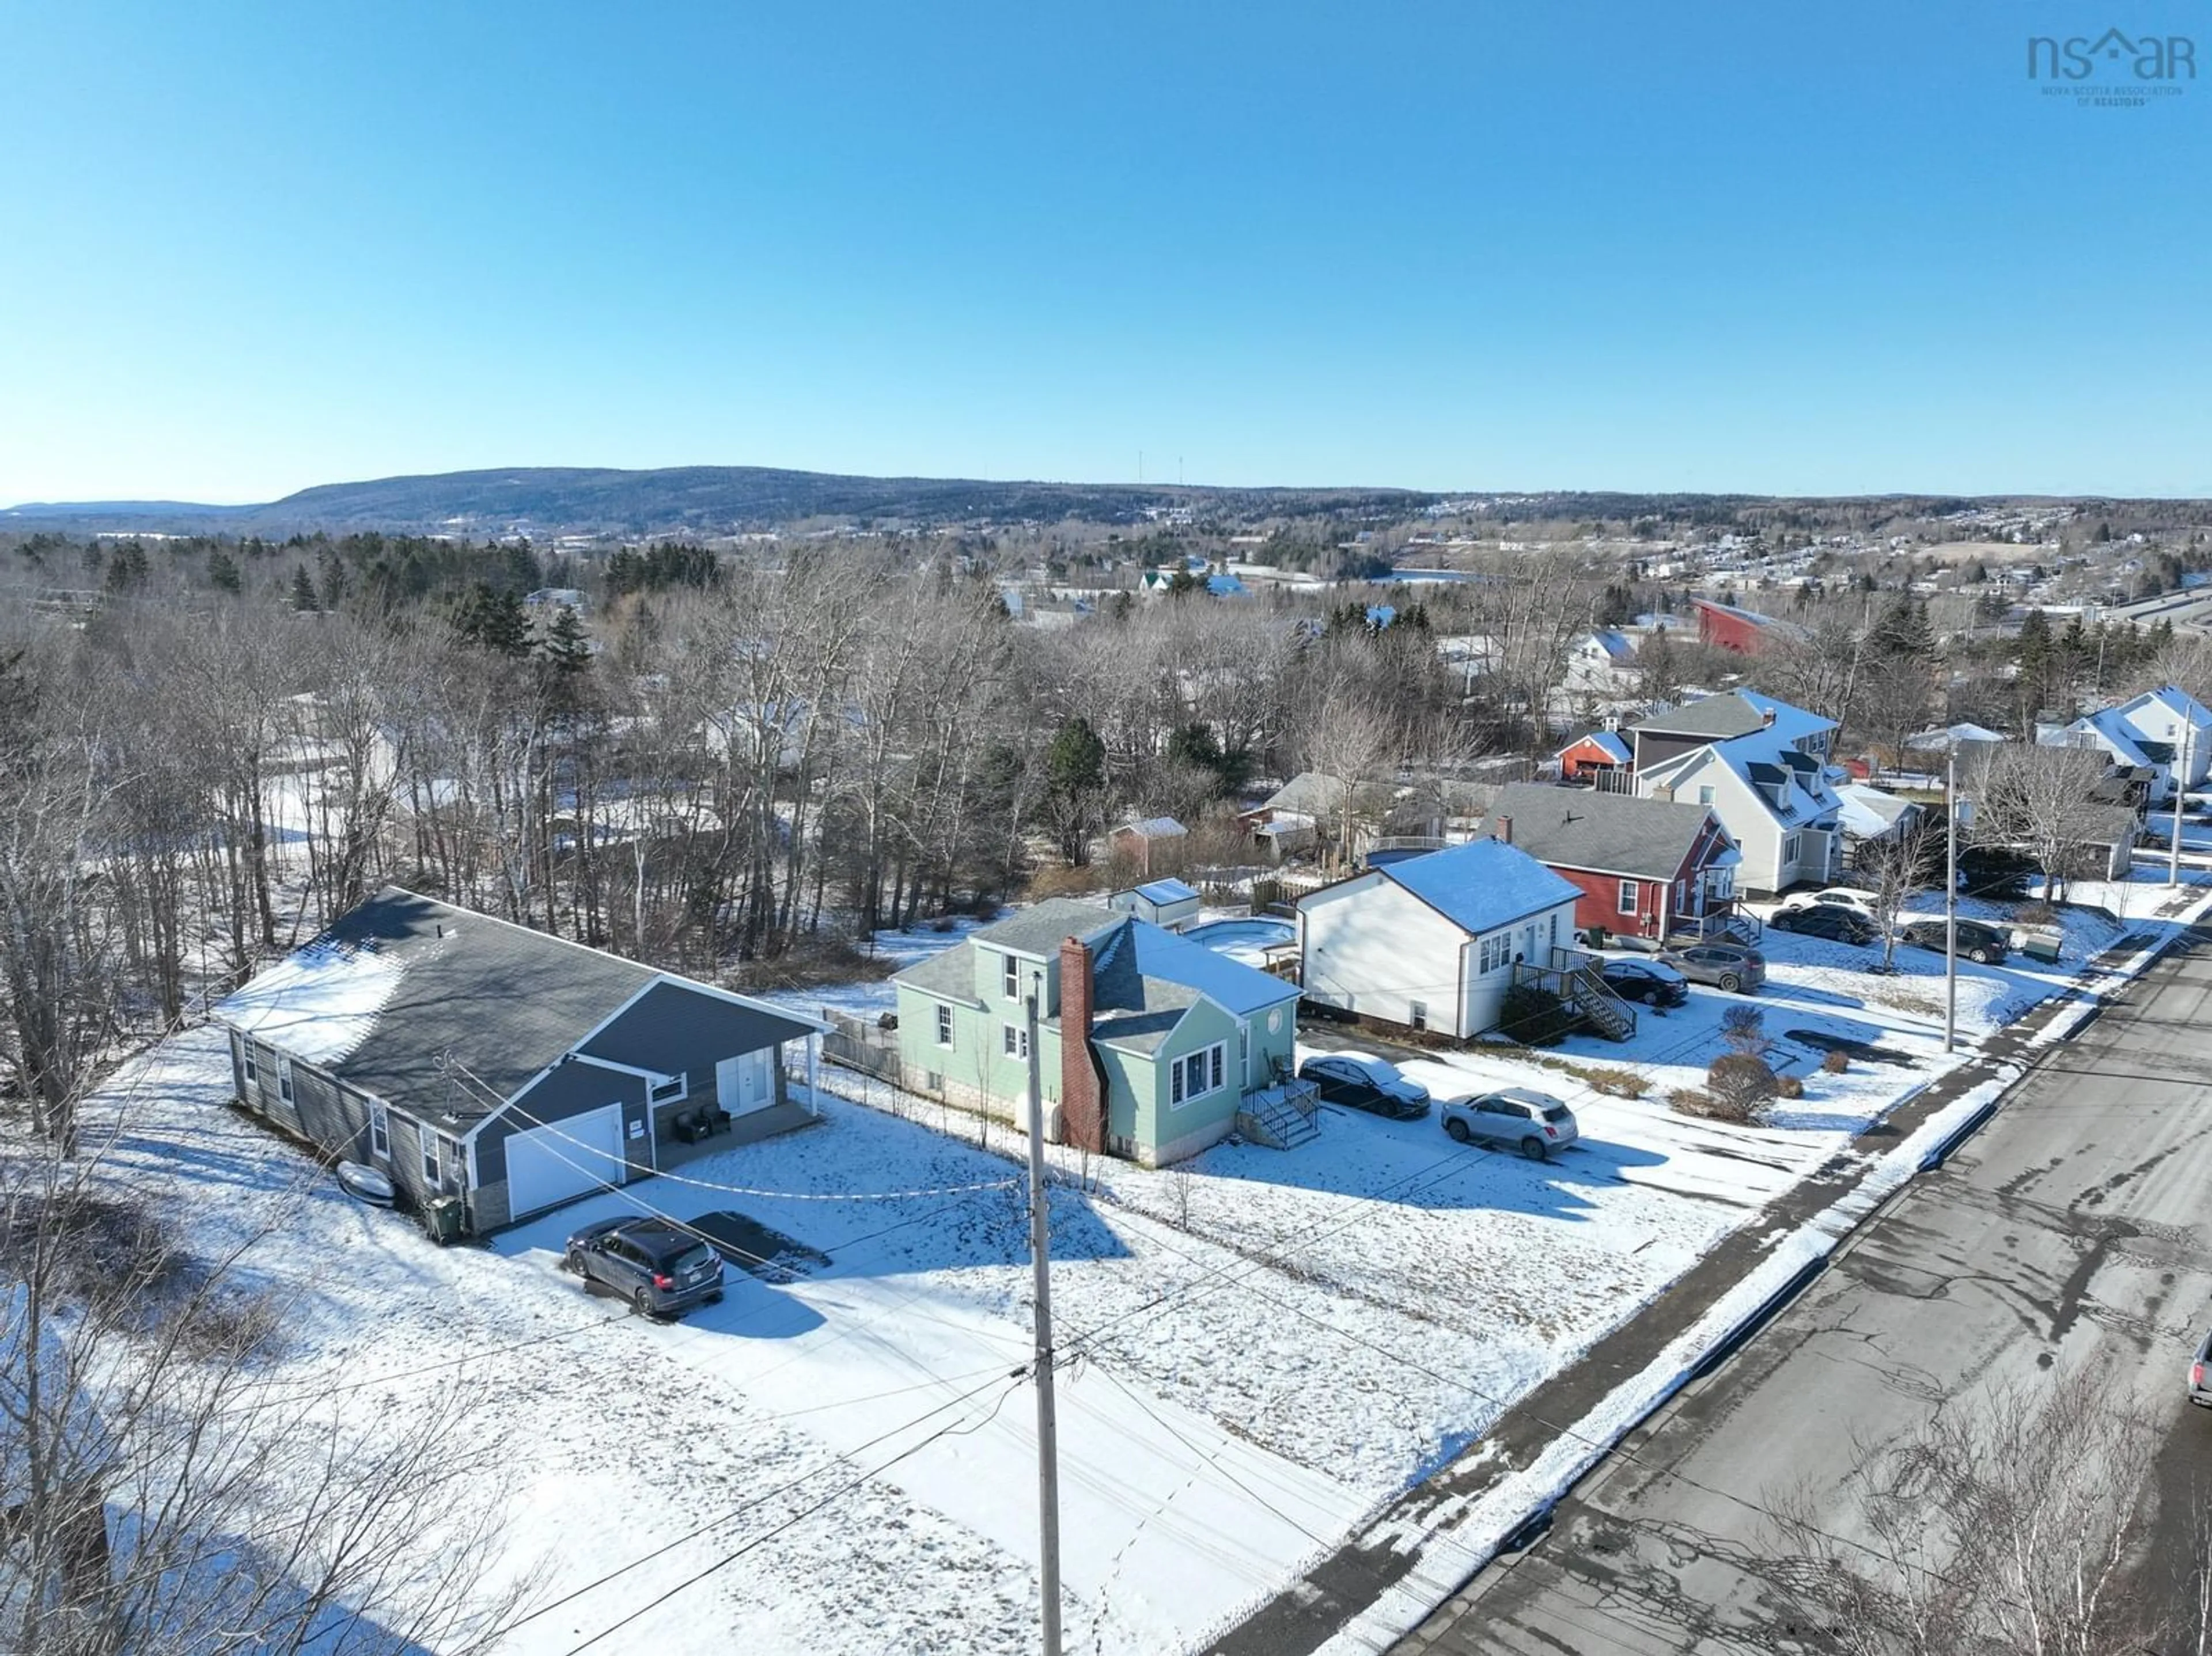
{"type": "Point", "coordinates": [1744, 631]}
{"type": "Point", "coordinates": [1595, 757]}
{"type": "Point", "coordinates": [1647, 868]}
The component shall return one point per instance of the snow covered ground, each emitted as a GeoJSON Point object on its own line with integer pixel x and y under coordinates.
{"type": "Point", "coordinates": [1260, 1348]}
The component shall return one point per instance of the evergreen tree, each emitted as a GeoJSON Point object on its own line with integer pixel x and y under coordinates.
{"type": "Point", "coordinates": [494, 621]}
{"type": "Point", "coordinates": [565, 649]}
{"type": "Point", "coordinates": [222, 571]}
{"type": "Point", "coordinates": [304, 598]}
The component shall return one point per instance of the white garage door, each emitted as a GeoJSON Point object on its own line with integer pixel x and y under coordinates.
{"type": "Point", "coordinates": [553, 1163]}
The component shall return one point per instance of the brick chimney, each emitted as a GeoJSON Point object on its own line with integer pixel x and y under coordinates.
{"type": "Point", "coordinates": [1505, 829]}
{"type": "Point", "coordinates": [1082, 1079]}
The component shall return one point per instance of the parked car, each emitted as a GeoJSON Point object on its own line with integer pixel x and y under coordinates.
{"type": "Point", "coordinates": [1827, 921]}
{"type": "Point", "coordinates": [1985, 945]}
{"type": "Point", "coordinates": [1835, 896]}
{"type": "Point", "coordinates": [1519, 1118]}
{"type": "Point", "coordinates": [1727, 966]}
{"type": "Point", "coordinates": [2200, 1374]}
{"type": "Point", "coordinates": [1653, 982]}
{"type": "Point", "coordinates": [660, 1268]}
{"type": "Point", "coordinates": [1367, 1083]}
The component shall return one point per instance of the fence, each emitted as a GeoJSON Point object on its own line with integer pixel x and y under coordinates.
{"type": "Point", "coordinates": [858, 1044]}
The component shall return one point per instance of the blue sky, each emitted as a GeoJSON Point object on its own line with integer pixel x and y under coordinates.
{"type": "Point", "coordinates": [245, 249]}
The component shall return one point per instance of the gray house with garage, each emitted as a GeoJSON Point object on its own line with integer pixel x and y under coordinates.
{"type": "Point", "coordinates": [470, 1056]}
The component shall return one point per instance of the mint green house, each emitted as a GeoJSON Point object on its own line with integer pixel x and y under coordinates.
{"type": "Point", "coordinates": [1150, 1047]}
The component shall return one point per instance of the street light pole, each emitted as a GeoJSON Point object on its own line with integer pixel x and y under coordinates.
{"type": "Point", "coordinates": [1951, 898]}
{"type": "Point", "coordinates": [1047, 1430]}
{"type": "Point", "coordinates": [2180, 797]}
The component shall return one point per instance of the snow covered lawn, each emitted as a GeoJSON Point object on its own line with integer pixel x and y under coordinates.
{"type": "Point", "coordinates": [1260, 1348]}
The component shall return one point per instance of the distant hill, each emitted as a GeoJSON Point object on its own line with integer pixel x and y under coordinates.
{"type": "Point", "coordinates": [701, 499]}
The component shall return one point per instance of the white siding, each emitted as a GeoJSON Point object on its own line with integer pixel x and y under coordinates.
{"type": "Point", "coordinates": [1368, 947]}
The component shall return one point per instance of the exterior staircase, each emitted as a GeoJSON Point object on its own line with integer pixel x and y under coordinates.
{"type": "Point", "coordinates": [1575, 982]}
{"type": "Point", "coordinates": [1597, 1005]}
{"type": "Point", "coordinates": [1281, 1117]}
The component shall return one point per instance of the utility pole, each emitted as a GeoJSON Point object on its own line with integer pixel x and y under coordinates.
{"type": "Point", "coordinates": [1040, 1263]}
{"type": "Point", "coordinates": [1951, 898]}
{"type": "Point", "coordinates": [2180, 798]}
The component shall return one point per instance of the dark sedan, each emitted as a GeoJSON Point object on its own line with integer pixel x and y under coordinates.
{"type": "Point", "coordinates": [1825, 920]}
{"type": "Point", "coordinates": [1984, 945]}
{"type": "Point", "coordinates": [1653, 982]}
{"type": "Point", "coordinates": [660, 1268]}
{"type": "Point", "coordinates": [1367, 1083]}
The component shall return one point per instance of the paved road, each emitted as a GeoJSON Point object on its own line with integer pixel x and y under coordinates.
{"type": "Point", "coordinates": [2075, 1229]}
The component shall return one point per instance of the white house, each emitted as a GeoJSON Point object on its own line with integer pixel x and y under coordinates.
{"type": "Point", "coordinates": [2171, 715]}
{"type": "Point", "coordinates": [1430, 943]}
{"type": "Point", "coordinates": [1603, 661]}
{"type": "Point", "coordinates": [2147, 759]}
{"type": "Point", "coordinates": [1774, 798]}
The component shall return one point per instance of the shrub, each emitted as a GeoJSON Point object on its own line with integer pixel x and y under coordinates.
{"type": "Point", "coordinates": [1744, 1029]}
{"type": "Point", "coordinates": [1615, 1084]}
{"type": "Point", "coordinates": [1837, 1061]}
{"type": "Point", "coordinates": [1740, 1082]}
{"type": "Point", "coordinates": [2035, 914]}
{"type": "Point", "coordinates": [1688, 1100]}
{"type": "Point", "coordinates": [1789, 1087]}
{"type": "Point", "coordinates": [1068, 881]}
{"type": "Point", "coordinates": [1533, 1016]}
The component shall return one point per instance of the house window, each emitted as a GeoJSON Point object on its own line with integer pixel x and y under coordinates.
{"type": "Point", "coordinates": [252, 1075]}
{"type": "Point", "coordinates": [1789, 846]}
{"type": "Point", "coordinates": [1013, 976]}
{"type": "Point", "coordinates": [1706, 796]}
{"type": "Point", "coordinates": [1201, 1073]}
{"type": "Point", "coordinates": [1628, 896]}
{"type": "Point", "coordinates": [943, 1025]}
{"type": "Point", "coordinates": [429, 1142]}
{"type": "Point", "coordinates": [1014, 1040]}
{"type": "Point", "coordinates": [1493, 952]}
{"type": "Point", "coordinates": [668, 1091]}
{"type": "Point", "coordinates": [1417, 1014]}
{"type": "Point", "coordinates": [379, 1131]}
{"type": "Point", "coordinates": [284, 1079]}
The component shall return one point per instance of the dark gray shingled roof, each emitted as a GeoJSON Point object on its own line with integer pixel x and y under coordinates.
{"type": "Point", "coordinates": [1604, 833]}
{"type": "Point", "coordinates": [1040, 928]}
{"type": "Point", "coordinates": [502, 1000]}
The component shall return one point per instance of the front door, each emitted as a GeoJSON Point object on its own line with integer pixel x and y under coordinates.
{"type": "Point", "coordinates": [746, 1081]}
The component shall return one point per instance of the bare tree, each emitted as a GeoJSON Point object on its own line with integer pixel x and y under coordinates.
{"type": "Point", "coordinates": [1354, 742]}
{"type": "Point", "coordinates": [1896, 866]}
{"type": "Point", "coordinates": [163, 1486]}
{"type": "Point", "coordinates": [2007, 1526]}
{"type": "Point", "coordinates": [2039, 800]}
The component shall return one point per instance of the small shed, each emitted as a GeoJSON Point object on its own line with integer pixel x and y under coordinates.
{"type": "Point", "coordinates": [1596, 758]}
{"type": "Point", "coordinates": [1168, 904]}
{"type": "Point", "coordinates": [1153, 843]}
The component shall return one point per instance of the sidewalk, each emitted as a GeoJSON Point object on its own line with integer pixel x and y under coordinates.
{"type": "Point", "coordinates": [1422, 1549]}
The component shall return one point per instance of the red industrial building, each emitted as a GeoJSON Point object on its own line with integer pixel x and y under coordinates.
{"type": "Point", "coordinates": [1727, 627]}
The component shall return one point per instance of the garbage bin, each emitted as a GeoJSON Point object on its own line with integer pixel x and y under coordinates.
{"type": "Point", "coordinates": [444, 1218]}
{"type": "Point", "coordinates": [2040, 943]}
{"type": "Point", "coordinates": [1593, 937]}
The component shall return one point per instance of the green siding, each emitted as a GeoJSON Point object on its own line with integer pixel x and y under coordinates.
{"type": "Point", "coordinates": [1161, 1121]}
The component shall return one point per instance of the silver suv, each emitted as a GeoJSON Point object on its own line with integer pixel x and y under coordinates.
{"type": "Point", "coordinates": [1519, 1118]}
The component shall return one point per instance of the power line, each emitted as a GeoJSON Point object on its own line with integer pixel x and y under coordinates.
{"type": "Point", "coordinates": [1000, 1376]}
{"type": "Point", "coordinates": [797, 1518]}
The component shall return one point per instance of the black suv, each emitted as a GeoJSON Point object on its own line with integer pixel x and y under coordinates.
{"type": "Point", "coordinates": [659, 1267]}
{"type": "Point", "coordinates": [1983, 944]}
{"type": "Point", "coordinates": [1828, 921]}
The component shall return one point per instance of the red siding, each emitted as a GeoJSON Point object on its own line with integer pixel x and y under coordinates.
{"type": "Point", "coordinates": [1583, 757]}
{"type": "Point", "coordinates": [1600, 903]}
{"type": "Point", "coordinates": [1728, 632]}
